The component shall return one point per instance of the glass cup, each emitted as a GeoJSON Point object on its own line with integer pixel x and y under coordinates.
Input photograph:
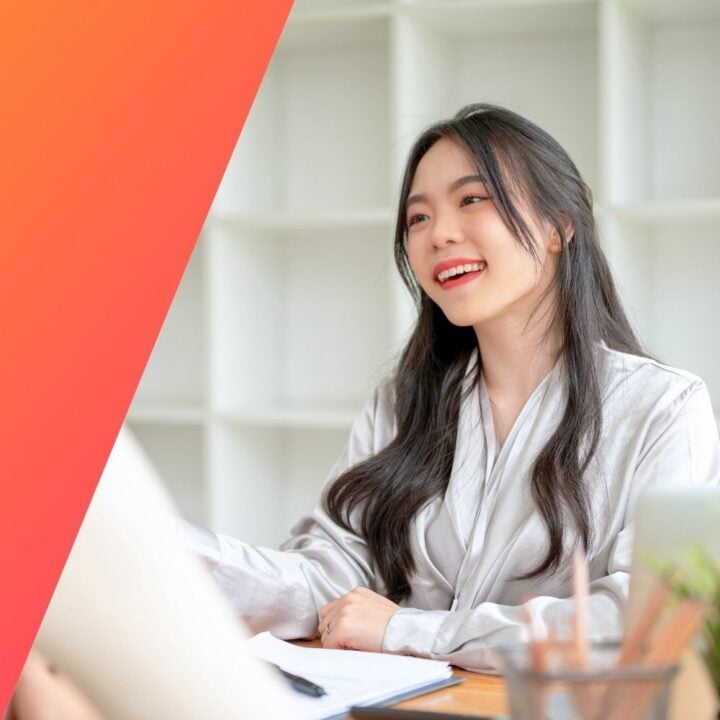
{"type": "Point", "coordinates": [600, 691]}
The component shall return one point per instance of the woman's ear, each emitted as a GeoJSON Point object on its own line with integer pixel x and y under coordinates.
{"type": "Point", "coordinates": [555, 241]}
{"type": "Point", "coordinates": [555, 237]}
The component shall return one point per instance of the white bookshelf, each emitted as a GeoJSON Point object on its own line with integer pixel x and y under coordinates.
{"type": "Point", "coordinates": [290, 310]}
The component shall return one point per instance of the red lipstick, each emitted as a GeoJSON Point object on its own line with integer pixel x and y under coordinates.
{"type": "Point", "coordinates": [451, 263]}
{"type": "Point", "coordinates": [463, 277]}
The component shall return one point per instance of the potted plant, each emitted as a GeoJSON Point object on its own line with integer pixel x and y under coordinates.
{"type": "Point", "coordinates": [699, 578]}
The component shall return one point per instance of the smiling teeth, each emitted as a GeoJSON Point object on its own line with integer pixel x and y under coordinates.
{"type": "Point", "coordinates": [461, 270]}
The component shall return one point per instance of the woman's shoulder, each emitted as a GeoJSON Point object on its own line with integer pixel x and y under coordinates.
{"type": "Point", "coordinates": [660, 418]}
{"type": "Point", "coordinates": [646, 382]}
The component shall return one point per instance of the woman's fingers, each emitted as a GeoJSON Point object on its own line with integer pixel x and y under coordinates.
{"type": "Point", "coordinates": [357, 620]}
{"type": "Point", "coordinates": [325, 613]}
{"type": "Point", "coordinates": [328, 608]}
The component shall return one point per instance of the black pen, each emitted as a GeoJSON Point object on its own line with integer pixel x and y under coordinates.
{"type": "Point", "coordinates": [300, 683]}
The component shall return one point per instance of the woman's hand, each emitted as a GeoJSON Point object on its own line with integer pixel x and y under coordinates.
{"type": "Point", "coordinates": [356, 621]}
{"type": "Point", "coordinates": [44, 694]}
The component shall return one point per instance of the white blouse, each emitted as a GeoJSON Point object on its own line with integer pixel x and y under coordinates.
{"type": "Point", "coordinates": [658, 429]}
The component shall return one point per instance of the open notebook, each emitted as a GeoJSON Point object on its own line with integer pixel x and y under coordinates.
{"type": "Point", "coordinates": [349, 677]}
{"type": "Point", "coordinates": [138, 625]}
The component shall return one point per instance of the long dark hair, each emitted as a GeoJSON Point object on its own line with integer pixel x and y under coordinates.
{"type": "Point", "coordinates": [385, 492]}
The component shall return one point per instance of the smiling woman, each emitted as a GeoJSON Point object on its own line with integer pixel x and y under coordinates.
{"type": "Point", "coordinates": [521, 422]}
{"type": "Point", "coordinates": [458, 213]}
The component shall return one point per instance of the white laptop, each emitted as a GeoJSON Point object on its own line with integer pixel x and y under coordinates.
{"type": "Point", "coordinates": [136, 622]}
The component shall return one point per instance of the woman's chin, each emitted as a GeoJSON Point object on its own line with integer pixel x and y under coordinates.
{"type": "Point", "coordinates": [467, 319]}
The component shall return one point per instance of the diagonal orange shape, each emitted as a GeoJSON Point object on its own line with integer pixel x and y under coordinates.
{"type": "Point", "coordinates": [116, 123]}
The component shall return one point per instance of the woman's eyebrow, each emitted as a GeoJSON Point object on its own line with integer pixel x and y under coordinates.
{"type": "Point", "coordinates": [417, 198]}
{"type": "Point", "coordinates": [455, 185]}
{"type": "Point", "coordinates": [465, 180]}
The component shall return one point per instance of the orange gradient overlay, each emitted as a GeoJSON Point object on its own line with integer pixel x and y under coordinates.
{"type": "Point", "coordinates": [117, 120]}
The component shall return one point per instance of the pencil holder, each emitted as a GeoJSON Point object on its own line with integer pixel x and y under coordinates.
{"type": "Point", "coordinates": [599, 691]}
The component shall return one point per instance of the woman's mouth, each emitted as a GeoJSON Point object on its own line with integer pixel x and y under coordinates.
{"type": "Point", "coordinates": [460, 274]}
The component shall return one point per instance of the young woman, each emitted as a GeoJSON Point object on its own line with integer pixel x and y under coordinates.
{"type": "Point", "coordinates": [521, 423]}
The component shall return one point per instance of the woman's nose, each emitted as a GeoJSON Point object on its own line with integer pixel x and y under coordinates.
{"type": "Point", "coordinates": [446, 230]}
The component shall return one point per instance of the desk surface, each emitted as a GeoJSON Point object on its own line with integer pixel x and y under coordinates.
{"type": "Point", "coordinates": [478, 695]}
{"type": "Point", "coordinates": [693, 695]}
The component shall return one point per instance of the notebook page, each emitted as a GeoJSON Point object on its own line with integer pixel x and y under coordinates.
{"type": "Point", "coordinates": [349, 677]}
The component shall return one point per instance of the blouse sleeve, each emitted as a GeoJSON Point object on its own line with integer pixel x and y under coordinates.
{"type": "Point", "coordinates": [283, 590]}
{"type": "Point", "coordinates": [681, 447]}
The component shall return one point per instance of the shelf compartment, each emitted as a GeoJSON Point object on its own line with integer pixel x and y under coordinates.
{"type": "Point", "coordinates": [267, 478]}
{"type": "Point", "coordinates": [299, 320]}
{"type": "Point", "coordinates": [684, 292]}
{"type": "Point", "coordinates": [175, 374]}
{"type": "Point", "coordinates": [461, 61]}
{"type": "Point", "coordinates": [317, 136]}
{"type": "Point", "coordinates": [661, 102]}
{"type": "Point", "coordinates": [666, 275]}
{"type": "Point", "coordinates": [309, 459]}
{"type": "Point", "coordinates": [178, 454]}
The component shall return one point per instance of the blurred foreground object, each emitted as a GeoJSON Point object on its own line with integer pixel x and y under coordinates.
{"type": "Point", "coordinates": [136, 623]}
{"type": "Point", "coordinates": [42, 693]}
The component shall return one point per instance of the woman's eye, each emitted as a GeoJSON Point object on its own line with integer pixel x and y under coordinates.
{"type": "Point", "coordinates": [472, 199]}
{"type": "Point", "coordinates": [415, 219]}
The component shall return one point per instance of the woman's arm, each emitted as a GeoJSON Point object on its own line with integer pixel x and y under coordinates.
{"type": "Point", "coordinates": [466, 637]}
{"type": "Point", "coordinates": [283, 590]}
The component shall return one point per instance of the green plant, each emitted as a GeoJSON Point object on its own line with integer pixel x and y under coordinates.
{"type": "Point", "coordinates": [699, 578]}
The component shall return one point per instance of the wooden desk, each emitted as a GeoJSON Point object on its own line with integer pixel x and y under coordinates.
{"type": "Point", "coordinates": [693, 695]}
{"type": "Point", "coordinates": [478, 695]}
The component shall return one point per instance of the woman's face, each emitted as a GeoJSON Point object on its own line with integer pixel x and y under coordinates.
{"type": "Point", "coordinates": [462, 253]}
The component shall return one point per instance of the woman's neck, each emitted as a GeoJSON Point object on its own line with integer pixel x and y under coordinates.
{"type": "Point", "coordinates": [516, 356]}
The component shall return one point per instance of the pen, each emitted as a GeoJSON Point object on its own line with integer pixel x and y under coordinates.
{"type": "Point", "coordinates": [300, 683]}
